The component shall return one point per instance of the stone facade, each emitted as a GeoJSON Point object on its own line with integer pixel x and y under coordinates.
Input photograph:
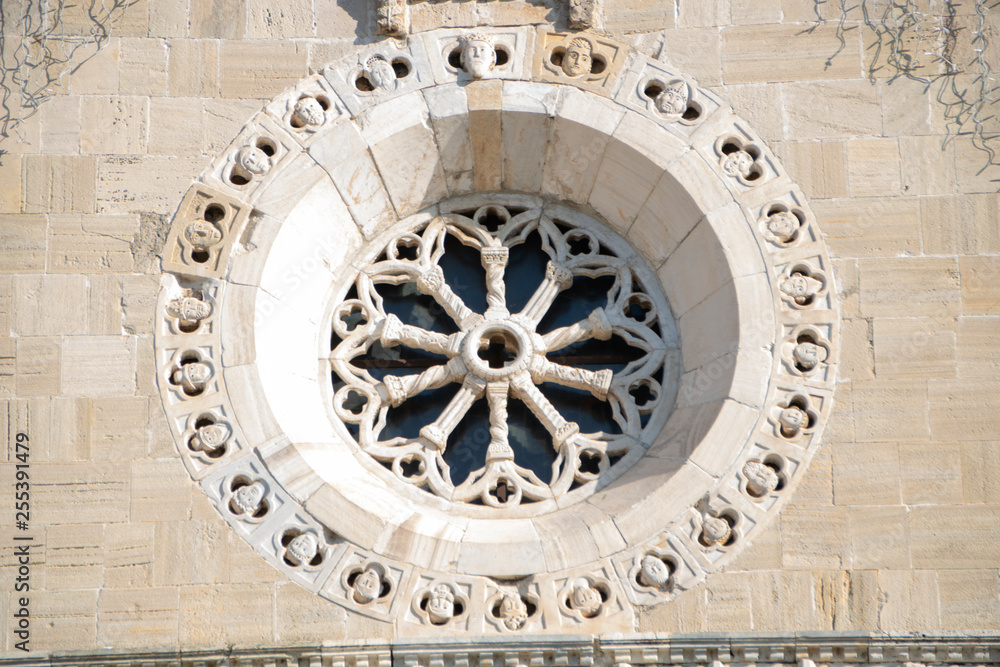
{"type": "Point", "coordinates": [893, 526]}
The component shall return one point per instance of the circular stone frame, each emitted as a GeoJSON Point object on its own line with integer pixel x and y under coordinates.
{"type": "Point", "coordinates": [260, 238]}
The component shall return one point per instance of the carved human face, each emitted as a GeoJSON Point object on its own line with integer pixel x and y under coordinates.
{"type": "Point", "coordinates": [799, 286]}
{"type": "Point", "coordinates": [783, 225]}
{"type": "Point", "coordinates": [653, 571]}
{"type": "Point", "coordinates": [210, 437]}
{"type": "Point", "coordinates": [578, 58]}
{"type": "Point", "coordinates": [792, 419]}
{"type": "Point", "coordinates": [478, 57]}
{"type": "Point", "coordinates": [513, 612]}
{"type": "Point", "coordinates": [367, 586]}
{"type": "Point", "coordinates": [586, 599]}
{"type": "Point", "coordinates": [441, 606]}
{"type": "Point", "coordinates": [761, 479]}
{"type": "Point", "coordinates": [807, 355]}
{"type": "Point", "coordinates": [673, 100]}
{"type": "Point", "coordinates": [254, 160]}
{"type": "Point", "coordinates": [381, 74]}
{"type": "Point", "coordinates": [737, 164]}
{"type": "Point", "coordinates": [308, 111]}
{"type": "Point", "coordinates": [248, 498]}
{"type": "Point", "coordinates": [716, 530]}
{"type": "Point", "coordinates": [189, 309]}
{"type": "Point", "coordinates": [303, 548]}
{"type": "Point", "coordinates": [192, 376]}
{"type": "Point", "coordinates": [202, 234]}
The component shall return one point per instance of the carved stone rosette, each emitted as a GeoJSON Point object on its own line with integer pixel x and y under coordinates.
{"type": "Point", "coordinates": [273, 319]}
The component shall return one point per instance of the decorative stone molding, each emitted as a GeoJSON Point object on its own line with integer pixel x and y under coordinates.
{"type": "Point", "coordinates": [298, 310]}
{"type": "Point", "coordinates": [393, 16]}
{"type": "Point", "coordinates": [802, 650]}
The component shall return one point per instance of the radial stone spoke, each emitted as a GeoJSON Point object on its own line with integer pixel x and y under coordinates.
{"type": "Point", "coordinates": [394, 332]}
{"type": "Point", "coordinates": [396, 389]}
{"type": "Point", "coordinates": [494, 258]}
{"type": "Point", "coordinates": [595, 326]}
{"type": "Point", "coordinates": [596, 382]}
{"type": "Point", "coordinates": [557, 279]}
{"type": "Point", "coordinates": [438, 431]}
{"type": "Point", "coordinates": [540, 406]}
{"type": "Point", "coordinates": [432, 282]}
{"type": "Point", "coordinates": [499, 449]}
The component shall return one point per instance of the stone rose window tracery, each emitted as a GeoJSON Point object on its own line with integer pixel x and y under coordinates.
{"type": "Point", "coordinates": [437, 381]}
{"type": "Point", "coordinates": [530, 399]}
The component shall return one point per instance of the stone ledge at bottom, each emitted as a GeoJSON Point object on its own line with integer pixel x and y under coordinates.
{"type": "Point", "coordinates": [804, 649]}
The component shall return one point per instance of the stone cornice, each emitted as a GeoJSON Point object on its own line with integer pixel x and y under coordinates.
{"type": "Point", "coordinates": [716, 649]}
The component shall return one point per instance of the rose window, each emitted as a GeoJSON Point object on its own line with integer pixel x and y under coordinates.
{"type": "Point", "coordinates": [502, 355]}
{"type": "Point", "coordinates": [484, 345]}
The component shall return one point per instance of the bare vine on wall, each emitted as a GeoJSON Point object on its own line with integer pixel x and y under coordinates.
{"type": "Point", "coordinates": [945, 53]}
{"type": "Point", "coordinates": [39, 49]}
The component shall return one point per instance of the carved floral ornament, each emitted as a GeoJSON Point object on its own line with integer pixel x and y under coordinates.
{"type": "Point", "coordinates": [483, 391]}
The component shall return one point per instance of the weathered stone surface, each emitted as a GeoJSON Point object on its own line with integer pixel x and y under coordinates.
{"type": "Point", "coordinates": [98, 366]}
{"type": "Point", "coordinates": [114, 125]}
{"type": "Point", "coordinates": [22, 242]}
{"type": "Point", "coordinates": [853, 480]}
{"type": "Point", "coordinates": [63, 184]}
{"type": "Point", "coordinates": [954, 538]}
{"type": "Point", "coordinates": [980, 275]}
{"type": "Point", "coordinates": [817, 538]}
{"type": "Point", "coordinates": [857, 351]}
{"type": "Point", "coordinates": [60, 126]}
{"type": "Point", "coordinates": [218, 20]}
{"type": "Point", "coordinates": [964, 410]}
{"type": "Point", "coordinates": [260, 70]}
{"type": "Point", "coordinates": [74, 557]}
{"type": "Point", "coordinates": [246, 622]}
{"type": "Point", "coordinates": [131, 618]}
{"type": "Point", "coordinates": [927, 167]}
{"type": "Point", "coordinates": [888, 410]}
{"type": "Point", "coordinates": [910, 287]}
{"type": "Point", "coordinates": [818, 167]}
{"type": "Point", "coordinates": [175, 126]}
{"type": "Point", "coordinates": [914, 348]}
{"type": "Point", "coordinates": [779, 52]}
{"type": "Point", "coordinates": [877, 227]}
{"type": "Point", "coordinates": [38, 367]}
{"type": "Point", "coordinates": [873, 167]}
{"type": "Point", "coordinates": [191, 552]}
{"type": "Point", "coordinates": [50, 305]}
{"type": "Point", "coordinates": [65, 621]}
{"type": "Point", "coordinates": [91, 244]}
{"type": "Point", "coordinates": [832, 109]}
{"type": "Point", "coordinates": [128, 555]}
{"type": "Point", "coordinates": [961, 225]}
{"type": "Point", "coordinates": [98, 492]}
{"type": "Point", "coordinates": [879, 538]}
{"type": "Point", "coordinates": [168, 18]}
{"type": "Point", "coordinates": [299, 618]}
{"type": "Point", "coordinates": [910, 600]}
{"type": "Point", "coordinates": [143, 67]}
{"type": "Point", "coordinates": [969, 599]}
{"type": "Point", "coordinates": [194, 68]}
{"type": "Point", "coordinates": [280, 20]}
{"type": "Point", "coordinates": [981, 472]}
{"type": "Point", "coordinates": [99, 74]}
{"type": "Point", "coordinates": [134, 184]}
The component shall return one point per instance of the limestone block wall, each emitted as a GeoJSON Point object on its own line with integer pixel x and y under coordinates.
{"type": "Point", "coordinates": [896, 527]}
